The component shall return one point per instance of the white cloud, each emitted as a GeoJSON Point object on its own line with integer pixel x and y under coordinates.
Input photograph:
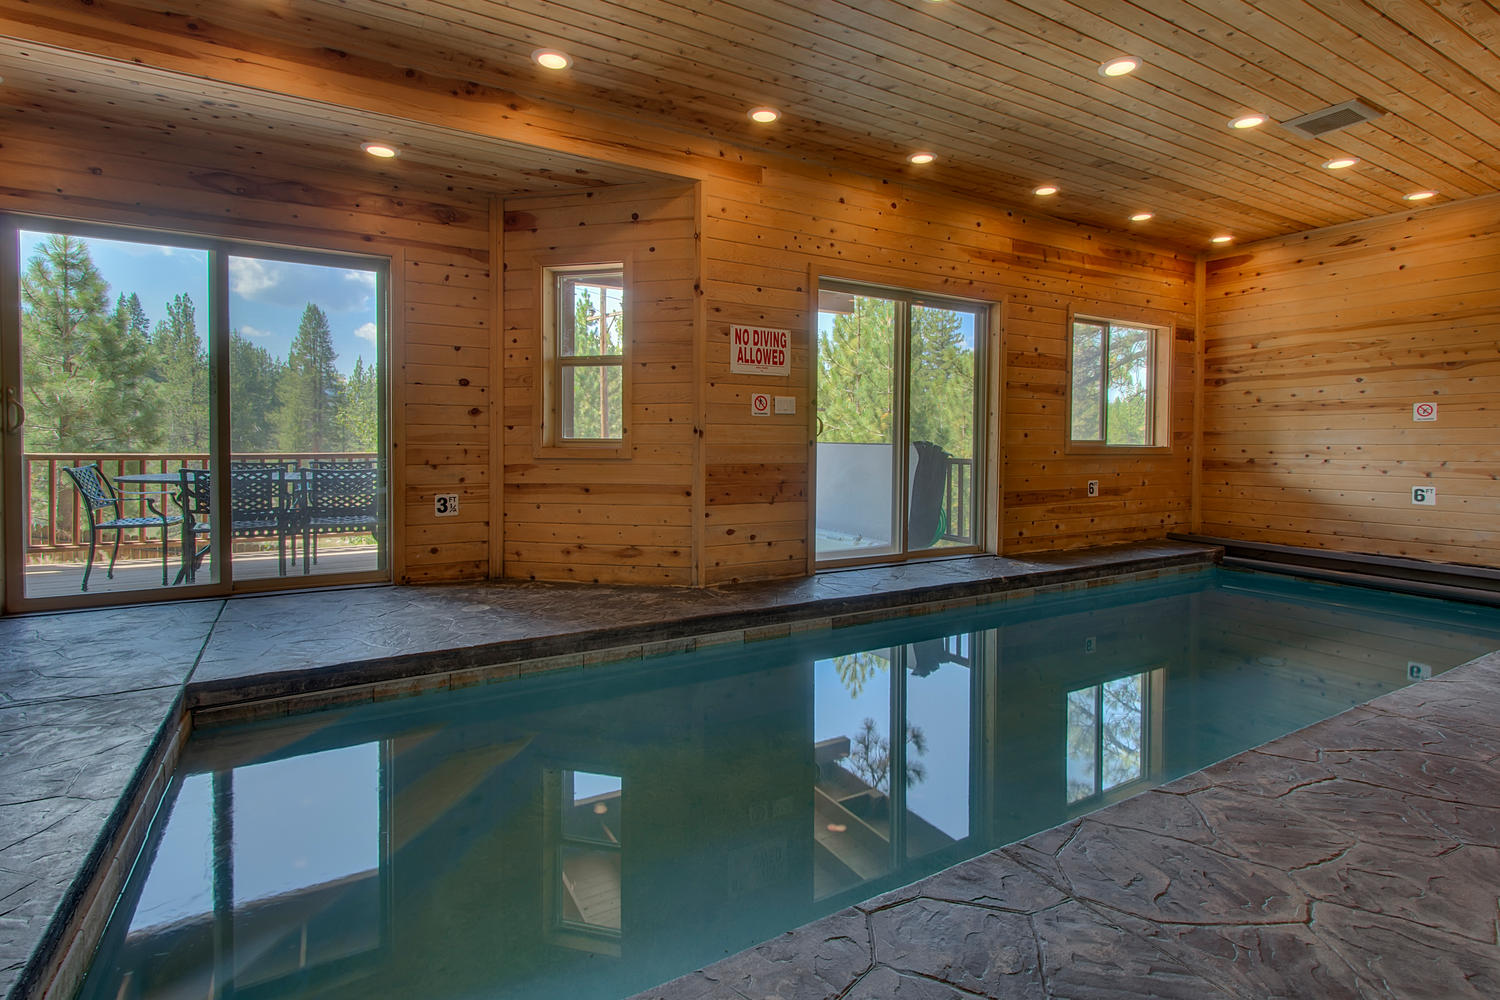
{"type": "Point", "coordinates": [280, 283]}
{"type": "Point", "coordinates": [253, 332]}
{"type": "Point", "coordinates": [366, 331]}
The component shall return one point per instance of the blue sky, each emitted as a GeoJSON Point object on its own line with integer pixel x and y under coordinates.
{"type": "Point", "coordinates": [266, 297]}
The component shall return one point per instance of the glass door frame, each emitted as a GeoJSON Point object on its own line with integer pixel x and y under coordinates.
{"type": "Point", "coordinates": [984, 314]}
{"type": "Point", "coordinates": [15, 534]}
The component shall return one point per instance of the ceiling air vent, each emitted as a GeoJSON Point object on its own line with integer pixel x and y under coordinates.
{"type": "Point", "coordinates": [1320, 123]}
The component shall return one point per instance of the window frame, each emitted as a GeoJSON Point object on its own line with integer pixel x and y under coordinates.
{"type": "Point", "coordinates": [1159, 382]}
{"type": "Point", "coordinates": [556, 365]}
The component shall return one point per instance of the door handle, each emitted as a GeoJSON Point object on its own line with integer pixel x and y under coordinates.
{"type": "Point", "coordinates": [12, 407]}
{"type": "Point", "coordinates": [820, 427]}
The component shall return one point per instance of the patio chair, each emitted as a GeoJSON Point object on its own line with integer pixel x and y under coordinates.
{"type": "Point", "coordinates": [337, 499]}
{"type": "Point", "coordinates": [101, 501]}
{"type": "Point", "coordinates": [196, 500]}
{"type": "Point", "coordinates": [927, 521]}
{"type": "Point", "coordinates": [263, 503]}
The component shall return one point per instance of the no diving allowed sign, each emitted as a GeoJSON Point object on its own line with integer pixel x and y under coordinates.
{"type": "Point", "coordinates": [758, 350]}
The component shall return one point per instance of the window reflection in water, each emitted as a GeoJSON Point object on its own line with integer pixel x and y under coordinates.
{"type": "Point", "coordinates": [939, 684]}
{"type": "Point", "coordinates": [588, 860]}
{"type": "Point", "coordinates": [1109, 729]}
{"type": "Point", "coordinates": [881, 799]}
{"type": "Point", "coordinates": [262, 872]}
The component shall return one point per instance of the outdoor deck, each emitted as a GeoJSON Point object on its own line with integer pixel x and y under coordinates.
{"type": "Point", "coordinates": [64, 579]}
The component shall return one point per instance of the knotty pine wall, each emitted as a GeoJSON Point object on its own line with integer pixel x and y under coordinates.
{"type": "Point", "coordinates": [685, 508]}
{"type": "Point", "coordinates": [605, 520]}
{"type": "Point", "coordinates": [438, 238]}
{"type": "Point", "coordinates": [765, 244]}
{"type": "Point", "coordinates": [1317, 346]}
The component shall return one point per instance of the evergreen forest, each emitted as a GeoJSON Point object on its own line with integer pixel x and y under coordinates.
{"type": "Point", "coordinates": [99, 376]}
{"type": "Point", "coordinates": [856, 373]}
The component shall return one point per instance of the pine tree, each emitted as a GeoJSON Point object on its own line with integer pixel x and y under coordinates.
{"type": "Point", "coordinates": [856, 366]}
{"type": "Point", "coordinates": [254, 376]}
{"type": "Point", "coordinates": [359, 417]}
{"type": "Point", "coordinates": [127, 396]}
{"type": "Point", "coordinates": [311, 389]}
{"type": "Point", "coordinates": [136, 321]}
{"type": "Point", "coordinates": [182, 367]}
{"type": "Point", "coordinates": [856, 372]}
{"type": "Point", "coordinates": [65, 310]}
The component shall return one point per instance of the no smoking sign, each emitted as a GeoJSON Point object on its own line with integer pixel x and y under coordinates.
{"type": "Point", "coordinates": [1424, 412]}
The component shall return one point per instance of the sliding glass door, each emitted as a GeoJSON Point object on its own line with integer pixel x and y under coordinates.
{"type": "Point", "coordinates": [899, 405]}
{"type": "Point", "coordinates": [142, 372]}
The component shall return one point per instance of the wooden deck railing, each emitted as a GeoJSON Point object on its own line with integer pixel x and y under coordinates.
{"type": "Point", "coordinates": [58, 526]}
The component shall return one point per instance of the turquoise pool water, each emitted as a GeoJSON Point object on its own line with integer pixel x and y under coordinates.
{"type": "Point", "coordinates": [592, 834]}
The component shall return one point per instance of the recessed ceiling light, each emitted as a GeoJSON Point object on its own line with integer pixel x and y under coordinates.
{"type": "Point", "coordinates": [1247, 121]}
{"type": "Point", "coordinates": [1222, 239]}
{"type": "Point", "coordinates": [1119, 66]}
{"type": "Point", "coordinates": [764, 115]}
{"type": "Point", "coordinates": [1420, 195]}
{"type": "Point", "coordinates": [1142, 217]}
{"type": "Point", "coordinates": [920, 158]}
{"type": "Point", "coordinates": [1340, 163]}
{"type": "Point", "coordinates": [551, 59]}
{"type": "Point", "coordinates": [379, 149]}
{"type": "Point", "coordinates": [1045, 191]}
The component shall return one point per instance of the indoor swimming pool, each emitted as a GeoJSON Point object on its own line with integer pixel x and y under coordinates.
{"type": "Point", "coordinates": [590, 834]}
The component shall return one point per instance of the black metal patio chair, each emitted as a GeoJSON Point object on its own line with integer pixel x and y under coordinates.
{"type": "Point", "coordinates": [99, 497]}
{"type": "Point", "coordinates": [337, 499]}
{"type": "Point", "coordinates": [264, 503]}
{"type": "Point", "coordinates": [195, 497]}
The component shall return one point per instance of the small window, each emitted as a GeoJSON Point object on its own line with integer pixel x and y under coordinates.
{"type": "Point", "coordinates": [1119, 373]}
{"type": "Point", "coordinates": [587, 339]}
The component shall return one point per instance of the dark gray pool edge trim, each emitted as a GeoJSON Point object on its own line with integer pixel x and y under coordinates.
{"type": "Point", "coordinates": [61, 958]}
{"type": "Point", "coordinates": [797, 960]}
{"type": "Point", "coordinates": [389, 676]}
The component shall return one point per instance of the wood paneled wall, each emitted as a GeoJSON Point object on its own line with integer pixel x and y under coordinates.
{"type": "Point", "coordinates": [437, 236]}
{"type": "Point", "coordinates": [708, 494]}
{"type": "Point", "coordinates": [765, 245]}
{"type": "Point", "coordinates": [610, 520]}
{"type": "Point", "coordinates": [1317, 348]}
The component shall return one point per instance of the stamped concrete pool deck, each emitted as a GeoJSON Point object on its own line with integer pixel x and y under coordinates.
{"type": "Point", "coordinates": [1358, 857]}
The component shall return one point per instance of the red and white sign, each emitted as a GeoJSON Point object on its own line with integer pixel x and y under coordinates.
{"type": "Point", "coordinates": [1424, 411]}
{"type": "Point", "coordinates": [760, 404]}
{"type": "Point", "coordinates": [757, 350]}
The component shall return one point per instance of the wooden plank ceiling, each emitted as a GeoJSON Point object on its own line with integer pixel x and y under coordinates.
{"type": "Point", "coordinates": [75, 95]}
{"type": "Point", "coordinates": [1006, 93]}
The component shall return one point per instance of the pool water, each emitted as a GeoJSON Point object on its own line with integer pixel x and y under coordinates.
{"type": "Point", "coordinates": [592, 834]}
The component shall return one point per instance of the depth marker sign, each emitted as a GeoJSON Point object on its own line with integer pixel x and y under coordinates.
{"type": "Point", "coordinates": [756, 350]}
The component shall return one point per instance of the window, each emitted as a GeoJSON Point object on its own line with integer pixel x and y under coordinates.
{"type": "Point", "coordinates": [587, 886]}
{"type": "Point", "coordinates": [1113, 734]}
{"type": "Point", "coordinates": [1119, 382]}
{"type": "Point", "coordinates": [586, 391]}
